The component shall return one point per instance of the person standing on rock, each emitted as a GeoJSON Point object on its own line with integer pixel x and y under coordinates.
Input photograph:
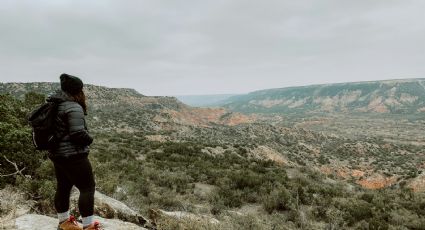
{"type": "Point", "coordinates": [70, 155]}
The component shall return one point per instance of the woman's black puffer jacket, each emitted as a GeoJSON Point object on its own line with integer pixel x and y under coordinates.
{"type": "Point", "coordinates": [71, 127]}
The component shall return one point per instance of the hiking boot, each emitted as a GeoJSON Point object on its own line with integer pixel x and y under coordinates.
{"type": "Point", "coordinates": [94, 226]}
{"type": "Point", "coordinates": [70, 224]}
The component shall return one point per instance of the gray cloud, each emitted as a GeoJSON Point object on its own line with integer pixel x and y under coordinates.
{"type": "Point", "coordinates": [199, 47]}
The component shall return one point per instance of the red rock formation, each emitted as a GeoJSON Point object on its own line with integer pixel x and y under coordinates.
{"type": "Point", "coordinates": [377, 181]}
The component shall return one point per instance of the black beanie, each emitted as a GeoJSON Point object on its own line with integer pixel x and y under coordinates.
{"type": "Point", "coordinates": [71, 84]}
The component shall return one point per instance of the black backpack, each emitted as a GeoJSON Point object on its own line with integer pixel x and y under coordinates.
{"type": "Point", "coordinates": [43, 123]}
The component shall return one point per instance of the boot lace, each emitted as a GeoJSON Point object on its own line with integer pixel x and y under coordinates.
{"type": "Point", "coordinates": [97, 226]}
{"type": "Point", "coordinates": [73, 220]}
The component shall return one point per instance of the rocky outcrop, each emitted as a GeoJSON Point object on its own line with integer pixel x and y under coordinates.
{"type": "Point", "coordinates": [377, 181]}
{"type": "Point", "coordinates": [267, 153]}
{"type": "Point", "coordinates": [157, 215]}
{"type": "Point", "coordinates": [110, 208]}
{"type": "Point", "coordinates": [16, 213]}
{"type": "Point", "coordinates": [40, 222]}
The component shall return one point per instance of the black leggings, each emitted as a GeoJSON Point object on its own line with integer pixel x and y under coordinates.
{"type": "Point", "coordinates": [78, 172]}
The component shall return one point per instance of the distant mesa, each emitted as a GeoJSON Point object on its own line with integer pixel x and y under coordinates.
{"type": "Point", "coordinates": [400, 96]}
{"type": "Point", "coordinates": [389, 96]}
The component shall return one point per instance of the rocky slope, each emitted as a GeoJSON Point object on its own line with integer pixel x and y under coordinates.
{"type": "Point", "coordinates": [390, 96]}
{"type": "Point", "coordinates": [153, 111]}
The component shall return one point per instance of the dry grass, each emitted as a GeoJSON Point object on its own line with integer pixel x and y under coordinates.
{"type": "Point", "coordinates": [228, 221]}
{"type": "Point", "coordinates": [12, 205]}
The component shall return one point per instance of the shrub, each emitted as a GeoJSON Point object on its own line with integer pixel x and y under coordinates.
{"type": "Point", "coordinates": [278, 200]}
{"type": "Point", "coordinates": [378, 224]}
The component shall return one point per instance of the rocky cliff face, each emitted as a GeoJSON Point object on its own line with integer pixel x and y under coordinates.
{"type": "Point", "coordinates": [391, 96]}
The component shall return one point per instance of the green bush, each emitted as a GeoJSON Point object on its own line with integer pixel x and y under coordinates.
{"type": "Point", "coordinates": [279, 199]}
{"type": "Point", "coordinates": [15, 140]}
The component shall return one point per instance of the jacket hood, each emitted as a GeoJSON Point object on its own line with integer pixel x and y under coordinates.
{"type": "Point", "coordinates": [59, 96]}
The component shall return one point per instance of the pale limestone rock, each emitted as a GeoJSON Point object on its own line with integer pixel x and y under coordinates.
{"type": "Point", "coordinates": [108, 207]}
{"type": "Point", "coordinates": [156, 214]}
{"type": "Point", "coordinates": [40, 222]}
{"type": "Point", "coordinates": [267, 153]}
{"type": "Point", "coordinates": [35, 222]}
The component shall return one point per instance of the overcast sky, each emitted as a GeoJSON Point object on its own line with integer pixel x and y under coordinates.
{"type": "Point", "coordinates": [209, 47]}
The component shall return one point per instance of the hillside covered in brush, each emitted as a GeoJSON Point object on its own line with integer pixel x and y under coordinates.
{"type": "Point", "coordinates": [155, 152]}
{"type": "Point", "coordinates": [390, 96]}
